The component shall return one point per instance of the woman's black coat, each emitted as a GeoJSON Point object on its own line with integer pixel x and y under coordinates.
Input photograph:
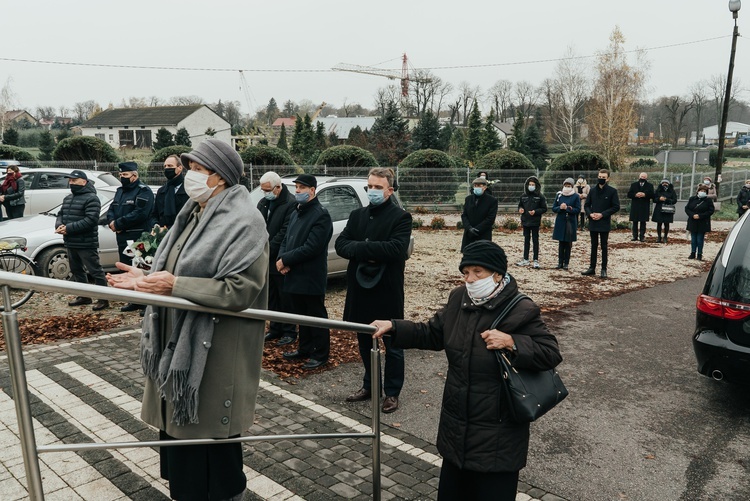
{"type": "Point", "coordinates": [671, 198]}
{"type": "Point", "coordinates": [479, 212]}
{"type": "Point", "coordinates": [704, 207]}
{"type": "Point", "coordinates": [475, 431]}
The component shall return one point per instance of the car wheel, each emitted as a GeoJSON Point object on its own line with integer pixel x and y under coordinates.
{"type": "Point", "coordinates": [54, 263]}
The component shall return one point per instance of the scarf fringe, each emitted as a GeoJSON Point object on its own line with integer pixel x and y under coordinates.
{"type": "Point", "coordinates": [150, 364]}
{"type": "Point", "coordinates": [183, 397]}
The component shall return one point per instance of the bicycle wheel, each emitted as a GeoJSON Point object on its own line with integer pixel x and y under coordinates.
{"type": "Point", "coordinates": [15, 263]}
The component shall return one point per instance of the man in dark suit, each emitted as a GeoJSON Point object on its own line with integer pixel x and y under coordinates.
{"type": "Point", "coordinates": [276, 207]}
{"type": "Point", "coordinates": [171, 196]}
{"type": "Point", "coordinates": [376, 243]}
{"type": "Point", "coordinates": [303, 260]}
{"type": "Point", "coordinates": [478, 217]}
{"type": "Point", "coordinates": [601, 203]}
{"type": "Point", "coordinates": [641, 192]}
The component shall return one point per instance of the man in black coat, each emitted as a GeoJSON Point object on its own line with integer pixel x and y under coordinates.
{"type": "Point", "coordinates": [171, 196]}
{"type": "Point", "coordinates": [276, 207]}
{"type": "Point", "coordinates": [303, 260]}
{"type": "Point", "coordinates": [478, 217]}
{"type": "Point", "coordinates": [78, 223]}
{"type": "Point", "coordinates": [640, 193]}
{"type": "Point", "coordinates": [601, 204]}
{"type": "Point", "coordinates": [376, 243]}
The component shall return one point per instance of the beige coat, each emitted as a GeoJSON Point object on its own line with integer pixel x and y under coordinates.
{"type": "Point", "coordinates": [229, 387]}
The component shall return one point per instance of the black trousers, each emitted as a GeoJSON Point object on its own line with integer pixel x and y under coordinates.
{"type": "Point", "coordinates": [456, 483]}
{"type": "Point", "coordinates": [14, 211]}
{"type": "Point", "coordinates": [530, 233]}
{"type": "Point", "coordinates": [278, 301]}
{"type": "Point", "coordinates": [84, 263]}
{"type": "Point", "coordinates": [314, 342]}
{"type": "Point", "coordinates": [666, 229]}
{"type": "Point", "coordinates": [563, 252]}
{"type": "Point", "coordinates": [639, 229]}
{"type": "Point", "coordinates": [596, 237]}
{"type": "Point", "coordinates": [393, 378]}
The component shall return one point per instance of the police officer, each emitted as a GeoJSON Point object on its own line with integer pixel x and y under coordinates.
{"type": "Point", "coordinates": [129, 214]}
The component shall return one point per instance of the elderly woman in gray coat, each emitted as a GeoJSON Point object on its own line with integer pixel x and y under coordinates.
{"type": "Point", "coordinates": [202, 369]}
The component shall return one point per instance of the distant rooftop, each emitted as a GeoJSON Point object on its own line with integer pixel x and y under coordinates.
{"type": "Point", "coordinates": [148, 117]}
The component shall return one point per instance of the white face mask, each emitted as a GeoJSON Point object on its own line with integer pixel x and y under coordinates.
{"type": "Point", "coordinates": [196, 187]}
{"type": "Point", "coordinates": [481, 288]}
{"type": "Point", "coordinates": [567, 191]}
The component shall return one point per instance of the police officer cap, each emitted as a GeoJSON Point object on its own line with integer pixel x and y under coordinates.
{"type": "Point", "coordinates": [128, 167]}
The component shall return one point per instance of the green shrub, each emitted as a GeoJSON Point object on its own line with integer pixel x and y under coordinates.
{"type": "Point", "coordinates": [504, 160]}
{"type": "Point", "coordinates": [437, 223]}
{"type": "Point", "coordinates": [460, 225]}
{"type": "Point", "coordinates": [713, 157]}
{"type": "Point", "coordinates": [547, 222]}
{"type": "Point", "coordinates": [420, 210]}
{"type": "Point", "coordinates": [510, 223]}
{"type": "Point", "coordinates": [84, 148]}
{"type": "Point", "coordinates": [644, 163]}
{"type": "Point", "coordinates": [162, 154]}
{"type": "Point", "coordinates": [571, 164]}
{"type": "Point", "coordinates": [427, 176]}
{"type": "Point", "coordinates": [8, 152]}
{"type": "Point", "coordinates": [266, 155]}
{"type": "Point", "coordinates": [417, 223]}
{"type": "Point", "coordinates": [347, 156]}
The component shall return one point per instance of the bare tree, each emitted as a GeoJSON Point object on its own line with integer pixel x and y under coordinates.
{"type": "Point", "coordinates": [443, 91]}
{"type": "Point", "coordinates": [8, 102]}
{"type": "Point", "coordinates": [718, 85]}
{"type": "Point", "coordinates": [84, 110]}
{"type": "Point", "coordinates": [424, 88]}
{"type": "Point", "coordinates": [699, 98]}
{"type": "Point", "coordinates": [675, 109]}
{"type": "Point", "coordinates": [526, 98]}
{"type": "Point", "coordinates": [136, 102]}
{"type": "Point", "coordinates": [500, 95]}
{"type": "Point", "coordinates": [468, 95]}
{"type": "Point", "coordinates": [385, 95]}
{"type": "Point", "coordinates": [185, 100]}
{"type": "Point", "coordinates": [45, 112]}
{"type": "Point", "coordinates": [64, 111]}
{"type": "Point", "coordinates": [154, 101]}
{"type": "Point", "coordinates": [455, 110]}
{"type": "Point", "coordinates": [566, 96]}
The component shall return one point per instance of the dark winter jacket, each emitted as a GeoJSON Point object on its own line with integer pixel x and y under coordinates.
{"type": "Point", "coordinates": [131, 211]}
{"type": "Point", "coordinates": [532, 201]}
{"type": "Point", "coordinates": [640, 207]}
{"type": "Point", "coordinates": [277, 223]}
{"type": "Point", "coordinates": [15, 197]}
{"type": "Point", "coordinates": [80, 215]}
{"type": "Point", "coordinates": [604, 201]}
{"type": "Point", "coordinates": [670, 197]}
{"type": "Point", "coordinates": [475, 432]}
{"type": "Point", "coordinates": [377, 236]}
{"type": "Point", "coordinates": [743, 198]}
{"type": "Point", "coordinates": [479, 212]}
{"type": "Point", "coordinates": [163, 215]}
{"type": "Point", "coordinates": [305, 249]}
{"type": "Point", "coordinates": [703, 207]}
{"type": "Point", "coordinates": [565, 221]}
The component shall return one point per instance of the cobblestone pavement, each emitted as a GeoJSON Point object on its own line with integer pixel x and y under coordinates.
{"type": "Point", "coordinates": [90, 390]}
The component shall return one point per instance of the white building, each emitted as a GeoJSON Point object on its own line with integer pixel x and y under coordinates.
{"type": "Point", "coordinates": [734, 130]}
{"type": "Point", "coordinates": [137, 127]}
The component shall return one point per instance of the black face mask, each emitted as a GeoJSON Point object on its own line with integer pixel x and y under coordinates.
{"type": "Point", "coordinates": [170, 173]}
{"type": "Point", "coordinates": [76, 188]}
{"type": "Point", "coordinates": [126, 182]}
{"type": "Point", "coordinates": [601, 182]}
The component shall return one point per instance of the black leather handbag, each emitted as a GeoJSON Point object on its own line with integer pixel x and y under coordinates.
{"type": "Point", "coordinates": [529, 394]}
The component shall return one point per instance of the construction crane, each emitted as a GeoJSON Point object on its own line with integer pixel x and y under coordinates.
{"type": "Point", "coordinates": [390, 74]}
{"type": "Point", "coordinates": [317, 112]}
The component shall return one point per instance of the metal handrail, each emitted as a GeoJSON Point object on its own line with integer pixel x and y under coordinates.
{"type": "Point", "coordinates": [19, 383]}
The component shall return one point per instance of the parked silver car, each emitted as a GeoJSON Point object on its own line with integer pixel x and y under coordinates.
{"type": "Point", "coordinates": [47, 186]}
{"type": "Point", "coordinates": [340, 195]}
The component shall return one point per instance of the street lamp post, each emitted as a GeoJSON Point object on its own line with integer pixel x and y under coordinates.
{"type": "Point", "coordinates": [734, 7]}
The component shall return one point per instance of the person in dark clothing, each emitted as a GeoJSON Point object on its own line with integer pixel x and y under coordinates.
{"type": "Point", "coordinates": [78, 223]}
{"type": "Point", "coordinates": [640, 193]}
{"type": "Point", "coordinates": [699, 209]}
{"type": "Point", "coordinates": [276, 207]}
{"type": "Point", "coordinates": [376, 243]}
{"type": "Point", "coordinates": [483, 449]}
{"type": "Point", "coordinates": [664, 195]}
{"type": "Point", "coordinates": [567, 206]}
{"type": "Point", "coordinates": [12, 192]}
{"type": "Point", "coordinates": [170, 197]}
{"type": "Point", "coordinates": [129, 215]}
{"type": "Point", "coordinates": [600, 205]}
{"type": "Point", "coordinates": [743, 198]}
{"type": "Point", "coordinates": [478, 217]}
{"type": "Point", "coordinates": [303, 260]}
{"type": "Point", "coordinates": [531, 206]}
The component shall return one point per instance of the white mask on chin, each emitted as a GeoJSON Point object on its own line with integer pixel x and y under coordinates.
{"type": "Point", "coordinates": [196, 187]}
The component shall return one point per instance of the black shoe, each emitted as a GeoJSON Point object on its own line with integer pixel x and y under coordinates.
{"type": "Point", "coordinates": [80, 301]}
{"type": "Point", "coordinates": [390, 404]}
{"type": "Point", "coordinates": [285, 340]}
{"type": "Point", "coordinates": [603, 273]}
{"type": "Point", "coordinates": [591, 271]}
{"type": "Point", "coordinates": [132, 307]}
{"type": "Point", "coordinates": [633, 239]}
{"type": "Point", "coordinates": [100, 305]}
{"type": "Point", "coordinates": [642, 239]}
{"type": "Point", "coordinates": [658, 240]}
{"type": "Point", "coordinates": [294, 355]}
{"type": "Point", "coordinates": [692, 255]}
{"type": "Point", "coordinates": [665, 239]}
{"type": "Point", "coordinates": [270, 336]}
{"type": "Point", "coordinates": [559, 265]}
{"type": "Point", "coordinates": [565, 266]}
{"type": "Point", "coordinates": [360, 396]}
{"type": "Point", "coordinates": [313, 364]}
{"type": "Point", "coordinates": [700, 257]}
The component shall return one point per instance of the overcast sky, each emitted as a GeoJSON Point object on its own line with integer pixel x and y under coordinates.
{"type": "Point", "coordinates": [317, 35]}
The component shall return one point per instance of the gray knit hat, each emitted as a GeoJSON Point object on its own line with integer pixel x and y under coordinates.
{"type": "Point", "coordinates": [569, 181]}
{"type": "Point", "coordinates": [218, 156]}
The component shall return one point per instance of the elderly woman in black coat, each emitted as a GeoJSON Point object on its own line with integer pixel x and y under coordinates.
{"type": "Point", "coordinates": [483, 449]}
{"type": "Point", "coordinates": [699, 209]}
{"type": "Point", "coordinates": [664, 199]}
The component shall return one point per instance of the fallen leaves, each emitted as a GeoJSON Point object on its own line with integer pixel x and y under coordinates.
{"type": "Point", "coordinates": [344, 349]}
{"type": "Point", "coordinates": [55, 328]}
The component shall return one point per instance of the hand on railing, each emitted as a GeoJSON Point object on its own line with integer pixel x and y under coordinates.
{"type": "Point", "coordinates": [382, 326]}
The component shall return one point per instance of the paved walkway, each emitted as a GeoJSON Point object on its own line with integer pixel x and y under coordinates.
{"type": "Point", "coordinates": [90, 390]}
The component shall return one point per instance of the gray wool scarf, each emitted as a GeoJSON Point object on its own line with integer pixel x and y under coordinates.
{"type": "Point", "coordinates": [229, 236]}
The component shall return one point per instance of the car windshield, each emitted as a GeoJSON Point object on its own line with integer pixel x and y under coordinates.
{"type": "Point", "coordinates": [104, 198]}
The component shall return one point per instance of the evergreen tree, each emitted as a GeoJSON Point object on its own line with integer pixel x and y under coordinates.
{"type": "Point", "coordinates": [10, 137]}
{"type": "Point", "coordinates": [517, 142]}
{"type": "Point", "coordinates": [220, 110]}
{"type": "Point", "coordinates": [357, 137]}
{"type": "Point", "coordinates": [444, 137]}
{"type": "Point", "coordinates": [282, 139]}
{"type": "Point", "coordinates": [474, 137]}
{"type": "Point", "coordinates": [389, 137]}
{"type": "Point", "coordinates": [211, 132]}
{"type": "Point", "coordinates": [46, 146]}
{"type": "Point", "coordinates": [272, 111]}
{"type": "Point", "coordinates": [320, 136]}
{"type": "Point", "coordinates": [164, 138]}
{"type": "Point", "coordinates": [304, 141]}
{"type": "Point", "coordinates": [426, 133]}
{"type": "Point", "coordinates": [490, 141]}
{"type": "Point", "coordinates": [537, 150]}
{"type": "Point", "coordinates": [182, 138]}
{"type": "Point", "coordinates": [297, 137]}
{"type": "Point", "coordinates": [64, 134]}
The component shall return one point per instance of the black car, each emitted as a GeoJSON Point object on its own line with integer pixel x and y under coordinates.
{"type": "Point", "coordinates": [722, 324]}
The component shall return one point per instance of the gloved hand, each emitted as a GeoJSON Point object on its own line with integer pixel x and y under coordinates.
{"type": "Point", "coordinates": [474, 232]}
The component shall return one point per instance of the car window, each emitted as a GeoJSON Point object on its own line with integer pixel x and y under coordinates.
{"type": "Point", "coordinates": [109, 179]}
{"type": "Point", "coordinates": [731, 272]}
{"type": "Point", "coordinates": [28, 179]}
{"type": "Point", "coordinates": [340, 201]}
{"type": "Point", "coordinates": [52, 181]}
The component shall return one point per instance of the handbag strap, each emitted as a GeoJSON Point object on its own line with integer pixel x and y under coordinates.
{"type": "Point", "coordinates": [511, 304]}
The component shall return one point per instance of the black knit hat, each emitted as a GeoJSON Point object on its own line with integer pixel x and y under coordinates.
{"type": "Point", "coordinates": [486, 254]}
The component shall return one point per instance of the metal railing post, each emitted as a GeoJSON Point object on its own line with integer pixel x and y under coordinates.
{"type": "Point", "coordinates": [21, 399]}
{"type": "Point", "coordinates": [375, 400]}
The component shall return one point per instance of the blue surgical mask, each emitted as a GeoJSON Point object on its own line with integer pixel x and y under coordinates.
{"type": "Point", "coordinates": [376, 196]}
{"type": "Point", "coordinates": [478, 191]}
{"type": "Point", "coordinates": [532, 187]}
{"type": "Point", "coordinates": [269, 195]}
{"type": "Point", "coordinates": [302, 197]}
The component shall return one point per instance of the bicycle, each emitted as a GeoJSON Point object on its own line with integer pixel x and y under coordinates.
{"type": "Point", "coordinates": [13, 261]}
